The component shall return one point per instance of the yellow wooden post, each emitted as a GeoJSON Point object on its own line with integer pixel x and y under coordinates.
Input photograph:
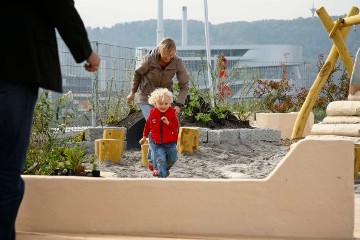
{"type": "Point", "coordinates": [351, 20]}
{"type": "Point", "coordinates": [356, 161]}
{"type": "Point", "coordinates": [188, 139]}
{"type": "Point", "coordinates": [339, 43]}
{"type": "Point", "coordinates": [114, 134]}
{"type": "Point", "coordinates": [322, 76]}
{"type": "Point", "coordinates": [108, 149]}
{"type": "Point", "coordinates": [144, 153]}
{"type": "Point", "coordinates": [111, 147]}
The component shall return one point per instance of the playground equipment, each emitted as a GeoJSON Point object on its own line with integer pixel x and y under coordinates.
{"type": "Point", "coordinates": [338, 32]}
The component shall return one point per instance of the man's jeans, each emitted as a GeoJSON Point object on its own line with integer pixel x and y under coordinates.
{"type": "Point", "coordinates": [164, 157]}
{"type": "Point", "coordinates": [17, 104]}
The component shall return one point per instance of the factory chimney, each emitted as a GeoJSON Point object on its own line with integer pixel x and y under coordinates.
{"type": "Point", "coordinates": [184, 26]}
{"type": "Point", "coordinates": [160, 22]}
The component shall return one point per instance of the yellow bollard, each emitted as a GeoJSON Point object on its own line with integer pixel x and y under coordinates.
{"type": "Point", "coordinates": [114, 134]}
{"type": "Point", "coordinates": [144, 153]}
{"type": "Point", "coordinates": [356, 161]}
{"type": "Point", "coordinates": [109, 149]}
{"type": "Point", "coordinates": [188, 139]}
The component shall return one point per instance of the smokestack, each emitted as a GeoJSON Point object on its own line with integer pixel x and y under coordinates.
{"type": "Point", "coordinates": [160, 22]}
{"type": "Point", "coordinates": [184, 26]}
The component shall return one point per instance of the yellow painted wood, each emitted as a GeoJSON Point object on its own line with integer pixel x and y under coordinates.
{"type": "Point", "coordinates": [339, 43]}
{"type": "Point", "coordinates": [96, 145]}
{"type": "Point", "coordinates": [322, 76]}
{"type": "Point", "coordinates": [188, 139]}
{"type": "Point", "coordinates": [144, 153]}
{"type": "Point", "coordinates": [336, 27]}
{"type": "Point", "coordinates": [356, 161]}
{"type": "Point", "coordinates": [351, 20]}
{"type": "Point", "coordinates": [109, 149]}
{"type": "Point", "coordinates": [114, 134]}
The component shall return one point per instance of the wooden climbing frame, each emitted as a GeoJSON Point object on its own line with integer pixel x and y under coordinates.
{"type": "Point", "coordinates": [338, 32]}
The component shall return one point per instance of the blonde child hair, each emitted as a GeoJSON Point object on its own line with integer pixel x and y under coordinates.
{"type": "Point", "coordinates": [160, 93]}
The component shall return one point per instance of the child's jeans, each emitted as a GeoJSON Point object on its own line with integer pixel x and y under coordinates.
{"type": "Point", "coordinates": [164, 157]}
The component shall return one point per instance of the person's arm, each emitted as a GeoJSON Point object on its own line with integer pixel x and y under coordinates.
{"type": "Point", "coordinates": [146, 130]}
{"type": "Point", "coordinates": [138, 73]}
{"type": "Point", "coordinates": [178, 108]}
{"type": "Point", "coordinates": [183, 81]}
{"type": "Point", "coordinates": [70, 27]}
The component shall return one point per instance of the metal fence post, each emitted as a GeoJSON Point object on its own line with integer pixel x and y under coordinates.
{"type": "Point", "coordinates": [95, 90]}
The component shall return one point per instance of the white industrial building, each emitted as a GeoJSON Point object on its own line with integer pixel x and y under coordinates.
{"type": "Point", "coordinates": [258, 61]}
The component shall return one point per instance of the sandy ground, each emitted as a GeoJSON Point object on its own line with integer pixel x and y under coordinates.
{"type": "Point", "coordinates": [254, 160]}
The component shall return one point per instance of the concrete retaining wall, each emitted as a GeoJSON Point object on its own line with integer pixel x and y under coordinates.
{"type": "Point", "coordinates": [206, 135]}
{"type": "Point", "coordinates": [310, 194]}
{"type": "Point", "coordinates": [284, 122]}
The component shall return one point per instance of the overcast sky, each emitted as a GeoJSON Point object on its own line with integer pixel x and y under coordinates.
{"type": "Point", "coordinates": [106, 13]}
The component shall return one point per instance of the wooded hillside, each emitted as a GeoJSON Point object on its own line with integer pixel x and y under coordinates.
{"type": "Point", "coordinates": [306, 32]}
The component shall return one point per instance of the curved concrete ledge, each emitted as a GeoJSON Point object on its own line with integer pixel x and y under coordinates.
{"type": "Point", "coordinates": [284, 122]}
{"type": "Point", "coordinates": [310, 194]}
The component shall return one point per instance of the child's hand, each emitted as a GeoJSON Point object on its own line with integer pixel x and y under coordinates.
{"type": "Point", "coordinates": [142, 140]}
{"type": "Point", "coordinates": [165, 120]}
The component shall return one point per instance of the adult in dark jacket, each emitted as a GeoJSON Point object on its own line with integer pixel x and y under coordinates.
{"type": "Point", "coordinates": [29, 59]}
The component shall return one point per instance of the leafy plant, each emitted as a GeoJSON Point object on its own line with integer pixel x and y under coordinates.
{"type": "Point", "coordinates": [333, 90]}
{"type": "Point", "coordinates": [197, 102]}
{"type": "Point", "coordinates": [280, 96]}
{"type": "Point", "coordinates": [74, 159]}
{"type": "Point", "coordinates": [243, 109]}
{"type": "Point", "coordinates": [276, 96]}
{"type": "Point", "coordinates": [93, 162]}
{"type": "Point", "coordinates": [110, 106]}
{"type": "Point", "coordinates": [209, 110]}
{"type": "Point", "coordinates": [47, 142]}
{"type": "Point", "coordinates": [203, 118]}
{"type": "Point", "coordinates": [223, 89]}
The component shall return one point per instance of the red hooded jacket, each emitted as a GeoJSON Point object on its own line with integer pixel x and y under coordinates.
{"type": "Point", "coordinates": [160, 132]}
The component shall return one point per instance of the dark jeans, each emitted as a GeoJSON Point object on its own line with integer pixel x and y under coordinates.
{"type": "Point", "coordinates": [17, 104]}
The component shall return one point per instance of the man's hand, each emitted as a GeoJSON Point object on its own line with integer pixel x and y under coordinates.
{"type": "Point", "coordinates": [92, 63]}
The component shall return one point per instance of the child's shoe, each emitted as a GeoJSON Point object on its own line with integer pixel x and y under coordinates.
{"type": "Point", "coordinates": [151, 167]}
{"type": "Point", "coordinates": [155, 173]}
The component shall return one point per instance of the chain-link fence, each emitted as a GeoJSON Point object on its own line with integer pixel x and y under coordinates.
{"type": "Point", "coordinates": [100, 97]}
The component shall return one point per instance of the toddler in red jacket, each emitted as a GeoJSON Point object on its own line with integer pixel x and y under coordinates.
{"type": "Point", "coordinates": [162, 127]}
